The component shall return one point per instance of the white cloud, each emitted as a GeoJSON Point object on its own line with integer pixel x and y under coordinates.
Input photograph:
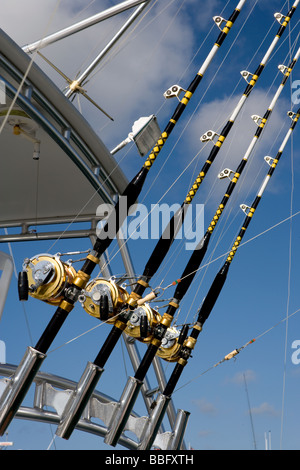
{"type": "Point", "coordinates": [129, 83]}
{"type": "Point", "coordinates": [239, 377]}
{"type": "Point", "coordinates": [214, 115]}
{"type": "Point", "coordinates": [264, 409]}
{"type": "Point", "coordinates": [205, 406]}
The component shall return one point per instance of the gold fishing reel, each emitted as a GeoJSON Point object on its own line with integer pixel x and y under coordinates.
{"type": "Point", "coordinates": [141, 326]}
{"type": "Point", "coordinates": [46, 278]}
{"type": "Point", "coordinates": [102, 299]}
{"type": "Point", "coordinates": [170, 346]}
{"type": "Point", "coordinates": [142, 321]}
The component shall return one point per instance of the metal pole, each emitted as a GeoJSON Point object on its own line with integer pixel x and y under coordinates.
{"type": "Point", "coordinates": [81, 25]}
{"type": "Point", "coordinates": [108, 47]}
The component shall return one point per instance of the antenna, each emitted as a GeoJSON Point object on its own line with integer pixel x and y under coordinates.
{"type": "Point", "coordinates": [268, 441]}
{"type": "Point", "coordinates": [250, 414]}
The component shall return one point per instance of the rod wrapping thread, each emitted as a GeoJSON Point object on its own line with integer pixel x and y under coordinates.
{"type": "Point", "coordinates": [213, 294]}
{"type": "Point", "coordinates": [192, 267]}
{"type": "Point", "coordinates": [108, 346]}
{"type": "Point", "coordinates": [51, 330]}
{"type": "Point", "coordinates": [163, 245]}
{"type": "Point", "coordinates": [117, 216]}
{"type": "Point", "coordinates": [146, 362]}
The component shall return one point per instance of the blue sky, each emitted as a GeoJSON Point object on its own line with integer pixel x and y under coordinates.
{"type": "Point", "coordinates": [262, 285]}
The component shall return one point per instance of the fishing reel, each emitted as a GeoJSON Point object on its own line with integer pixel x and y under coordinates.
{"type": "Point", "coordinates": [102, 299]}
{"type": "Point", "coordinates": [142, 322]}
{"type": "Point", "coordinates": [45, 277]}
{"type": "Point", "coordinates": [141, 326]}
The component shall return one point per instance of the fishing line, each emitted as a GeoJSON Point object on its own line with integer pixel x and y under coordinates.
{"type": "Point", "coordinates": [28, 70]}
{"type": "Point", "coordinates": [80, 335]}
{"type": "Point", "coordinates": [241, 245]}
{"type": "Point", "coordinates": [180, 136]}
{"type": "Point", "coordinates": [200, 102]}
{"type": "Point", "coordinates": [96, 193]}
{"type": "Point", "coordinates": [233, 354]}
{"type": "Point", "coordinates": [289, 273]}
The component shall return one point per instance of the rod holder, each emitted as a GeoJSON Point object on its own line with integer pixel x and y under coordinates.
{"type": "Point", "coordinates": [175, 438]}
{"type": "Point", "coordinates": [179, 429]}
{"type": "Point", "coordinates": [154, 423]}
{"type": "Point", "coordinates": [78, 400]}
{"type": "Point", "coordinates": [123, 410]}
{"type": "Point", "coordinates": [18, 386]}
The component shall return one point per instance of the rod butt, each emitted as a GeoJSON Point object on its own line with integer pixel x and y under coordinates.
{"type": "Point", "coordinates": [78, 400]}
{"type": "Point", "coordinates": [18, 386]}
{"type": "Point", "coordinates": [120, 417]}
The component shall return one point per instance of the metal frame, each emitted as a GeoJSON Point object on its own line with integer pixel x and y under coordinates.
{"type": "Point", "coordinates": [53, 391]}
{"type": "Point", "coordinates": [60, 130]}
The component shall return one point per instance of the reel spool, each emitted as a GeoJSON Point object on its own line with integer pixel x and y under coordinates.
{"type": "Point", "coordinates": [47, 277]}
{"type": "Point", "coordinates": [141, 326]}
{"type": "Point", "coordinates": [170, 346]}
{"type": "Point", "coordinates": [142, 322]}
{"type": "Point", "coordinates": [101, 298]}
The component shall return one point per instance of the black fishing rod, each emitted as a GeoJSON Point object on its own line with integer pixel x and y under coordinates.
{"type": "Point", "coordinates": [190, 271]}
{"type": "Point", "coordinates": [213, 294]}
{"type": "Point", "coordinates": [69, 419]}
{"type": "Point", "coordinates": [163, 245]}
{"type": "Point", "coordinates": [200, 251]}
{"type": "Point", "coordinates": [13, 395]}
{"type": "Point", "coordinates": [75, 408]}
{"type": "Point", "coordinates": [130, 195]}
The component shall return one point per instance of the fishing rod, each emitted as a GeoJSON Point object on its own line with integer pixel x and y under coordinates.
{"type": "Point", "coordinates": [190, 270]}
{"type": "Point", "coordinates": [167, 238]}
{"type": "Point", "coordinates": [75, 407]}
{"type": "Point", "coordinates": [163, 245]}
{"type": "Point", "coordinates": [199, 253]}
{"type": "Point", "coordinates": [213, 295]}
{"type": "Point", "coordinates": [17, 389]}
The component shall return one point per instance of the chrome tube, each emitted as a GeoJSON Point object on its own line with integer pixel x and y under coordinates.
{"type": "Point", "coordinates": [121, 415]}
{"type": "Point", "coordinates": [81, 25]}
{"type": "Point", "coordinates": [18, 386]}
{"type": "Point", "coordinates": [83, 76]}
{"type": "Point", "coordinates": [78, 400]}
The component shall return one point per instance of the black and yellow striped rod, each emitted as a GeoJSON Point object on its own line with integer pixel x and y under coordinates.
{"type": "Point", "coordinates": [130, 194]}
{"type": "Point", "coordinates": [199, 253]}
{"type": "Point", "coordinates": [283, 20]}
{"type": "Point", "coordinates": [194, 84]}
{"type": "Point", "coordinates": [194, 264]}
{"type": "Point", "coordinates": [182, 287]}
{"type": "Point", "coordinates": [163, 245]}
{"type": "Point", "coordinates": [221, 276]}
